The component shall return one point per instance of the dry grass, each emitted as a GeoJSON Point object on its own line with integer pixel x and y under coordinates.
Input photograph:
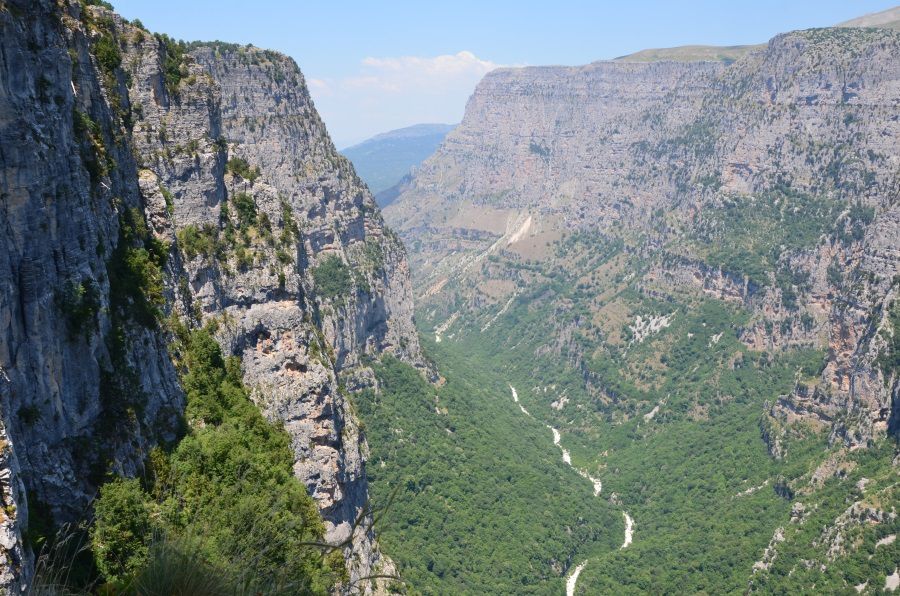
{"type": "Point", "coordinates": [691, 54]}
{"type": "Point", "coordinates": [497, 288]}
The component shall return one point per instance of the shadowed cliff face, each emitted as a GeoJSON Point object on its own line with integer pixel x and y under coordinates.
{"type": "Point", "coordinates": [770, 183]}
{"type": "Point", "coordinates": [216, 156]}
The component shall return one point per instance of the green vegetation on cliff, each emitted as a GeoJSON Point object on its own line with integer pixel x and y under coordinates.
{"type": "Point", "coordinates": [224, 497]}
{"type": "Point", "coordinates": [333, 278]}
{"type": "Point", "coordinates": [746, 235]}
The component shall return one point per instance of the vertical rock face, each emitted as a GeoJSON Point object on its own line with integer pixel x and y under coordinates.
{"type": "Point", "coordinates": [282, 247]}
{"type": "Point", "coordinates": [71, 401]}
{"type": "Point", "coordinates": [268, 116]}
{"type": "Point", "coordinates": [557, 143]}
{"type": "Point", "coordinates": [15, 559]}
{"type": "Point", "coordinates": [567, 128]}
{"type": "Point", "coordinates": [658, 155]}
{"type": "Point", "coordinates": [818, 113]}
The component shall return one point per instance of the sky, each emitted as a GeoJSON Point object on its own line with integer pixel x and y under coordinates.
{"type": "Point", "coordinates": [379, 65]}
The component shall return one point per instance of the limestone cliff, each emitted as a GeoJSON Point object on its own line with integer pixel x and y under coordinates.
{"type": "Point", "coordinates": [770, 182]}
{"type": "Point", "coordinates": [212, 160]}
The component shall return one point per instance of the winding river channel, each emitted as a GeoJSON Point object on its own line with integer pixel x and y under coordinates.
{"type": "Point", "coordinates": [572, 579]}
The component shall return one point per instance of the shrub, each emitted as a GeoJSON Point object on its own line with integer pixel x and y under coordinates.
{"type": "Point", "coordinates": [889, 358]}
{"type": "Point", "coordinates": [240, 167]}
{"type": "Point", "coordinates": [290, 232]}
{"type": "Point", "coordinates": [172, 65]}
{"type": "Point", "coordinates": [79, 303]}
{"type": "Point", "coordinates": [246, 208]}
{"type": "Point", "coordinates": [108, 55]}
{"type": "Point", "coordinates": [284, 257]}
{"type": "Point", "coordinates": [29, 415]}
{"type": "Point", "coordinates": [374, 254]}
{"type": "Point", "coordinates": [244, 258]}
{"type": "Point", "coordinates": [264, 225]}
{"type": "Point", "coordinates": [121, 533]}
{"type": "Point", "coordinates": [195, 240]}
{"type": "Point", "coordinates": [177, 566]}
{"type": "Point", "coordinates": [835, 276]}
{"type": "Point", "coordinates": [169, 198]}
{"type": "Point", "coordinates": [538, 149]}
{"type": "Point", "coordinates": [135, 271]}
{"type": "Point", "coordinates": [93, 152]}
{"type": "Point", "coordinates": [332, 277]}
{"type": "Point", "coordinates": [142, 268]}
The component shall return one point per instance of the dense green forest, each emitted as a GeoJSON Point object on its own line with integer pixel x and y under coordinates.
{"type": "Point", "coordinates": [672, 422]}
{"type": "Point", "coordinates": [705, 495]}
{"type": "Point", "coordinates": [484, 503]}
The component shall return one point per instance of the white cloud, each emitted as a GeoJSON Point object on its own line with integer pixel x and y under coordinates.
{"type": "Point", "coordinates": [393, 92]}
{"type": "Point", "coordinates": [412, 72]}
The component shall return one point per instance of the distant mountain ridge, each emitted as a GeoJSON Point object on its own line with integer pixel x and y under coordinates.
{"type": "Point", "coordinates": [885, 19]}
{"type": "Point", "coordinates": [383, 160]}
{"type": "Point", "coordinates": [691, 53]}
{"type": "Point", "coordinates": [408, 132]}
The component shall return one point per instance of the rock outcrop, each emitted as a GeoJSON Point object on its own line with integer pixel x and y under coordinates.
{"type": "Point", "coordinates": [216, 155]}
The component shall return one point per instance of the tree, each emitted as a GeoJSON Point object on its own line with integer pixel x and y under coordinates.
{"type": "Point", "coordinates": [122, 530]}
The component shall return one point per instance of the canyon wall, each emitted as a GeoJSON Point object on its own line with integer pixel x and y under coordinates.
{"type": "Point", "coordinates": [771, 182]}
{"type": "Point", "coordinates": [211, 159]}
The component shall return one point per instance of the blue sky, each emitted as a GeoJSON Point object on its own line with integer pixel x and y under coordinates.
{"type": "Point", "coordinates": [375, 66]}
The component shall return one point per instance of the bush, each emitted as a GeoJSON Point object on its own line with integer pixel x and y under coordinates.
{"type": "Point", "coordinates": [243, 257]}
{"type": "Point", "coordinates": [79, 303]}
{"type": "Point", "coordinates": [246, 208]}
{"type": "Point", "coordinates": [29, 415]}
{"type": "Point", "coordinates": [172, 65]}
{"type": "Point", "coordinates": [93, 152]}
{"type": "Point", "coordinates": [177, 567]}
{"type": "Point", "coordinates": [169, 198]}
{"type": "Point", "coordinates": [108, 55]}
{"type": "Point", "coordinates": [194, 240]}
{"type": "Point", "coordinates": [135, 271]}
{"type": "Point", "coordinates": [889, 358]}
{"type": "Point", "coordinates": [332, 277]}
{"type": "Point", "coordinates": [146, 272]}
{"type": "Point", "coordinates": [290, 233]}
{"type": "Point", "coordinates": [240, 167]}
{"type": "Point", "coordinates": [374, 254]}
{"type": "Point", "coordinates": [284, 257]}
{"type": "Point", "coordinates": [121, 533]}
